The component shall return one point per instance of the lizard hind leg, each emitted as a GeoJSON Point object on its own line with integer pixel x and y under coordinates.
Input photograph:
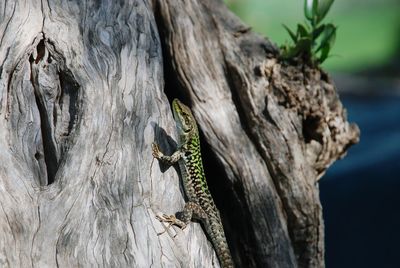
{"type": "Point", "coordinates": [183, 218]}
{"type": "Point", "coordinates": [191, 211]}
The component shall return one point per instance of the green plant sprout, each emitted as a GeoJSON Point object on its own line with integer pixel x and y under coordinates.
{"type": "Point", "coordinates": [312, 40]}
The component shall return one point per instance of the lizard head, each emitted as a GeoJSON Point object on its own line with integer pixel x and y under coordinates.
{"type": "Point", "coordinates": [184, 119]}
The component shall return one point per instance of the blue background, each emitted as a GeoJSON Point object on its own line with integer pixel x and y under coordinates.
{"type": "Point", "coordinates": [361, 193]}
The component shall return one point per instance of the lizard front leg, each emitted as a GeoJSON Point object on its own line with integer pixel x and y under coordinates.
{"type": "Point", "coordinates": [170, 160]}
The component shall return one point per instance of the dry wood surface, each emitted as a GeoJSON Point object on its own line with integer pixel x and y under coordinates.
{"type": "Point", "coordinates": [84, 89]}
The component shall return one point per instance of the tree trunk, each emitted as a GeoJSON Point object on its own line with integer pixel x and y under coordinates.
{"type": "Point", "coordinates": [82, 98]}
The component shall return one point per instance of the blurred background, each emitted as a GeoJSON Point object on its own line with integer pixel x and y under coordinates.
{"type": "Point", "coordinates": [361, 193]}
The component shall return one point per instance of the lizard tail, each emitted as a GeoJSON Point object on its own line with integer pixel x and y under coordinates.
{"type": "Point", "coordinates": [224, 255]}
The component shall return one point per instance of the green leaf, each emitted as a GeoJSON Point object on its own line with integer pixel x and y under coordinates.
{"type": "Point", "coordinates": [289, 53]}
{"type": "Point", "coordinates": [327, 41]}
{"type": "Point", "coordinates": [292, 35]}
{"type": "Point", "coordinates": [304, 45]}
{"type": "Point", "coordinates": [308, 9]}
{"type": "Point", "coordinates": [302, 30]}
{"type": "Point", "coordinates": [324, 54]}
{"type": "Point", "coordinates": [328, 37]}
{"type": "Point", "coordinates": [315, 8]}
{"type": "Point", "coordinates": [316, 33]}
{"type": "Point", "coordinates": [323, 8]}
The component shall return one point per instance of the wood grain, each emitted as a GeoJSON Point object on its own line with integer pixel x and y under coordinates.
{"type": "Point", "coordinates": [82, 98]}
{"type": "Point", "coordinates": [274, 128]}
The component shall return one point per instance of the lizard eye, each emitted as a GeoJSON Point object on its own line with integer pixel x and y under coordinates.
{"type": "Point", "coordinates": [187, 123]}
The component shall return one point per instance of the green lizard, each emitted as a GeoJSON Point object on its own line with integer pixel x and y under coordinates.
{"type": "Point", "coordinates": [200, 205]}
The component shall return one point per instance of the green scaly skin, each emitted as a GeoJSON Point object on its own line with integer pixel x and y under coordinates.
{"type": "Point", "coordinates": [201, 205]}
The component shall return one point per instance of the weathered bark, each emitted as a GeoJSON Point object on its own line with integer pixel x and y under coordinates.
{"type": "Point", "coordinates": [82, 98]}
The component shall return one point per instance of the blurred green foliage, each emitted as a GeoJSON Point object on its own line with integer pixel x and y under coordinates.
{"type": "Point", "coordinates": [368, 31]}
{"type": "Point", "coordinates": [312, 40]}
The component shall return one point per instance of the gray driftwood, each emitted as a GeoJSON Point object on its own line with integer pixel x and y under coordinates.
{"type": "Point", "coordinates": [82, 98]}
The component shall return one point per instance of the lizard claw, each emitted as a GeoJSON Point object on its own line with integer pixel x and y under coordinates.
{"type": "Point", "coordinates": [171, 220]}
{"type": "Point", "coordinates": [156, 150]}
